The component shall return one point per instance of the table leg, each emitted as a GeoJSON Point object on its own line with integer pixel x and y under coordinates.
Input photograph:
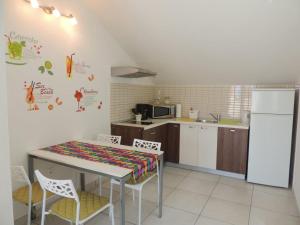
{"type": "Point", "coordinates": [31, 178]}
{"type": "Point", "coordinates": [122, 197]}
{"type": "Point", "coordinates": [161, 173]}
{"type": "Point", "coordinates": [82, 181]}
{"type": "Point", "coordinates": [30, 169]}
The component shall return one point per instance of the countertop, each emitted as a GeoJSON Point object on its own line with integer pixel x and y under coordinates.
{"type": "Point", "coordinates": [159, 122]}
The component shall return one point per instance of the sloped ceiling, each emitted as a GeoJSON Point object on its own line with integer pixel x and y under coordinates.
{"type": "Point", "coordinates": [208, 41]}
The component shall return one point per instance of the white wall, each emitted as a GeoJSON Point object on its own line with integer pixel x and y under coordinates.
{"type": "Point", "coordinates": [6, 216]}
{"type": "Point", "coordinates": [208, 41]}
{"type": "Point", "coordinates": [30, 130]}
{"type": "Point", "coordinates": [296, 181]}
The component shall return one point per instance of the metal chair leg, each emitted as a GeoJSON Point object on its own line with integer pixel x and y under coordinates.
{"type": "Point", "coordinates": [100, 185]}
{"type": "Point", "coordinates": [29, 215]}
{"type": "Point", "coordinates": [111, 197]}
{"type": "Point", "coordinates": [112, 215]}
{"type": "Point", "coordinates": [140, 207]}
{"type": "Point", "coordinates": [158, 184]}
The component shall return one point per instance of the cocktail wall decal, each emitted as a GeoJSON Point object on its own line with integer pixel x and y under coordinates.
{"type": "Point", "coordinates": [40, 96]}
{"type": "Point", "coordinates": [30, 99]}
{"type": "Point", "coordinates": [78, 95]}
{"type": "Point", "coordinates": [15, 51]}
{"type": "Point", "coordinates": [46, 67]}
{"type": "Point", "coordinates": [69, 65]}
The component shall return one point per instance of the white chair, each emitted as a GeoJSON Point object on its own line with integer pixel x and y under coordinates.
{"type": "Point", "coordinates": [27, 194]}
{"type": "Point", "coordinates": [74, 207]}
{"type": "Point", "coordinates": [138, 185]}
{"type": "Point", "coordinates": [110, 139]}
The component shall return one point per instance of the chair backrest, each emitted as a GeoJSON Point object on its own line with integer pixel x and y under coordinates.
{"type": "Point", "coordinates": [109, 138]}
{"type": "Point", "coordinates": [64, 188]}
{"type": "Point", "coordinates": [149, 145]}
{"type": "Point", "coordinates": [19, 175]}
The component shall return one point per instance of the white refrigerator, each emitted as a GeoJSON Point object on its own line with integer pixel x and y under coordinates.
{"type": "Point", "coordinates": [270, 141]}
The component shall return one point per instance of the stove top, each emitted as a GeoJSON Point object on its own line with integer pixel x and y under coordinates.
{"type": "Point", "coordinates": [140, 123]}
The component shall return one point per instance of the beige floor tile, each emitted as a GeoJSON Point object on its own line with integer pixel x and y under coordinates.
{"type": "Point", "coordinates": [236, 182]}
{"type": "Point", "coordinates": [198, 186]}
{"type": "Point", "coordinates": [233, 194]}
{"type": "Point", "coordinates": [54, 220]}
{"type": "Point", "coordinates": [150, 192]}
{"type": "Point", "coordinates": [207, 221]}
{"type": "Point", "coordinates": [204, 176]}
{"type": "Point", "coordinates": [101, 219]}
{"type": "Point", "coordinates": [176, 171]}
{"type": "Point", "coordinates": [187, 201]}
{"type": "Point", "coordinates": [131, 209]}
{"type": "Point", "coordinates": [49, 220]}
{"type": "Point", "coordinates": [170, 180]}
{"type": "Point", "coordinates": [265, 217]}
{"type": "Point", "coordinates": [274, 191]}
{"type": "Point", "coordinates": [171, 217]}
{"type": "Point", "coordinates": [186, 194]}
{"type": "Point", "coordinates": [226, 211]}
{"type": "Point", "coordinates": [275, 203]}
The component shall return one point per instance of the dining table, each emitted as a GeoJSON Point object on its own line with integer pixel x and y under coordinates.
{"type": "Point", "coordinates": [114, 161]}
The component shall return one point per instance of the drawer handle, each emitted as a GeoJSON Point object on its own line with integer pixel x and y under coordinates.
{"type": "Point", "coordinates": [232, 130]}
{"type": "Point", "coordinates": [153, 133]}
{"type": "Point", "coordinates": [175, 126]}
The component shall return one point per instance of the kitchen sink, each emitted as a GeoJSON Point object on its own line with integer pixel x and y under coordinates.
{"type": "Point", "coordinates": [207, 121]}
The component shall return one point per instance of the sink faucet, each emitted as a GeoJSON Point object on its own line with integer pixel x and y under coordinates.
{"type": "Point", "coordinates": [217, 117]}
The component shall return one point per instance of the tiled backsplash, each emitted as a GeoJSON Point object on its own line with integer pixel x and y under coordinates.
{"type": "Point", "coordinates": [229, 101]}
{"type": "Point", "coordinates": [124, 97]}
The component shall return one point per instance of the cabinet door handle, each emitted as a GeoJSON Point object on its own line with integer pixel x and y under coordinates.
{"type": "Point", "coordinates": [232, 130]}
{"type": "Point", "coordinates": [153, 133]}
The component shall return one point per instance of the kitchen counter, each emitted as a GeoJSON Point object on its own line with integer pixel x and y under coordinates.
{"type": "Point", "coordinates": [159, 122]}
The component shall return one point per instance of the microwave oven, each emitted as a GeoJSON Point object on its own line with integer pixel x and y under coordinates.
{"type": "Point", "coordinates": [156, 111]}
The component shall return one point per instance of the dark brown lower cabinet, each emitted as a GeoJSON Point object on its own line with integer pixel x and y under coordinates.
{"type": "Point", "coordinates": [173, 140]}
{"type": "Point", "coordinates": [157, 134]}
{"type": "Point", "coordinates": [167, 135]}
{"type": "Point", "coordinates": [232, 150]}
{"type": "Point", "coordinates": [127, 133]}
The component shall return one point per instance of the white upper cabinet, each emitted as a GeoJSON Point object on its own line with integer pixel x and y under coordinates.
{"type": "Point", "coordinates": [207, 146]}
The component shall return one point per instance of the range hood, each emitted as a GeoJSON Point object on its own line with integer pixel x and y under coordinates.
{"type": "Point", "coordinates": [131, 72]}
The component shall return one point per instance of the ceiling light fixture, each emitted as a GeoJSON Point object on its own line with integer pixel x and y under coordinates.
{"type": "Point", "coordinates": [73, 20]}
{"type": "Point", "coordinates": [52, 11]}
{"type": "Point", "coordinates": [56, 13]}
{"type": "Point", "coordinates": [46, 9]}
{"type": "Point", "coordinates": [35, 4]}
